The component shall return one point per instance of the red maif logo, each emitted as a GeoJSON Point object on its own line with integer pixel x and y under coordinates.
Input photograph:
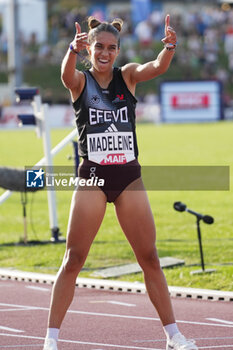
{"type": "Point", "coordinates": [116, 158]}
{"type": "Point", "coordinates": [190, 100]}
{"type": "Point", "coordinates": [121, 97]}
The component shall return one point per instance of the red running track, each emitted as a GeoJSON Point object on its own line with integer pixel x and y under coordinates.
{"type": "Point", "coordinates": [102, 320]}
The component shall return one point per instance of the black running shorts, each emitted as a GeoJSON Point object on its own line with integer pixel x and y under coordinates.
{"type": "Point", "coordinates": [116, 177]}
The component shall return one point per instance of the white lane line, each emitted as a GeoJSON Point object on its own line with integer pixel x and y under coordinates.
{"type": "Point", "coordinates": [109, 345]}
{"type": "Point", "coordinates": [82, 342]}
{"type": "Point", "coordinates": [119, 303]}
{"type": "Point", "coordinates": [30, 346]}
{"type": "Point", "coordinates": [160, 340]}
{"type": "Point", "coordinates": [219, 320]}
{"type": "Point", "coordinates": [21, 307]}
{"type": "Point", "coordinates": [111, 302]}
{"type": "Point", "coordinates": [149, 341]}
{"type": "Point", "coordinates": [216, 347]}
{"type": "Point", "coordinates": [116, 315]}
{"type": "Point", "coordinates": [97, 301]}
{"type": "Point", "coordinates": [213, 338]}
{"type": "Point", "coordinates": [146, 318]}
{"type": "Point", "coordinates": [28, 307]}
{"type": "Point", "coordinates": [38, 288]}
{"type": "Point", "coordinates": [11, 329]}
{"type": "Point", "coordinates": [18, 309]}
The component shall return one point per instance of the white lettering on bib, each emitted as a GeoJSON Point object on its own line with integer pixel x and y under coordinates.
{"type": "Point", "coordinates": [111, 147]}
{"type": "Point", "coordinates": [97, 116]}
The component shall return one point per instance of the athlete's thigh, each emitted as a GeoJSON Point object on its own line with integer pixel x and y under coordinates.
{"type": "Point", "coordinates": [86, 214]}
{"type": "Point", "coordinates": [136, 219]}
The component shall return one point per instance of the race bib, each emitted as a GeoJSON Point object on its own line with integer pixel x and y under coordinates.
{"type": "Point", "coordinates": [112, 146]}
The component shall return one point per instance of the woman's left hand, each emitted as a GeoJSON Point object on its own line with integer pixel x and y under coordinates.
{"type": "Point", "coordinates": [170, 34]}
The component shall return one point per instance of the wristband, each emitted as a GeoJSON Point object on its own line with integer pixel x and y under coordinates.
{"type": "Point", "coordinates": [171, 47]}
{"type": "Point", "coordinates": [72, 49]}
{"type": "Point", "coordinates": [83, 59]}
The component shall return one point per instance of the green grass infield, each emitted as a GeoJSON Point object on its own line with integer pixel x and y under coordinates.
{"type": "Point", "coordinates": [206, 144]}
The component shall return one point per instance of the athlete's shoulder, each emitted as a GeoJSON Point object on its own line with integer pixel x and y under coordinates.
{"type": "Point", "coordinates": [127, 72]}
{"type": "Point", "coordinates": [129, 67]}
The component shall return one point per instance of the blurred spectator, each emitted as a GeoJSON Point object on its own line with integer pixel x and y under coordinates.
{"type": "Point", "coordinates": [205, 35]}
{"type": "Point", "coordinates": [222, 75]}
{"type": "Point", "coordinates": [230, 62]}
{"type": "Point", "coordinates": [156, 20]}
{"type": "Point", "coordinates": [194, 44]}
{"type": "Point", "coordinates": [54, 30]}
{"type": "Point", "coordinates": [228, 43]}
{"type": "Point", "coordinates": [200, 24]}
{"type": "Point", "coordinates": [211, 48]}
{"type": "Point", "coordinates": [3, 44]}
{"type": "Point", "coordinates": [144, 33]}
{"type": "Point", "coordinates": [31, 50]}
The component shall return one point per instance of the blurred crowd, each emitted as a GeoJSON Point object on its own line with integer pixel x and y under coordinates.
{"type": "Point", "coordinates": [205, 41]}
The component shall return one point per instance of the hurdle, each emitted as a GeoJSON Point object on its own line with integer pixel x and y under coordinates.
{"type": "Point", "coordinates": [40, 120]}
{"type": "Point", "coordinates": [7, 194]}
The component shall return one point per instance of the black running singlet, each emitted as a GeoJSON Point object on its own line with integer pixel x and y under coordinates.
{"type": "Point", "coordinates": [105, 119]}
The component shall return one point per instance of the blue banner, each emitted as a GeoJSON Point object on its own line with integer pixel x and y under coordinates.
{"type": "Point", "coordinates": [98, 11]}
{"type": "Point", "coordinates": [141, 10]}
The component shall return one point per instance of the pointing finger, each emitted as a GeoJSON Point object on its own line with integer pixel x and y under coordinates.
{"type": "Point", "coordinates": [78, 28]}
{"type": "Point", "coordinates": [167, 23]}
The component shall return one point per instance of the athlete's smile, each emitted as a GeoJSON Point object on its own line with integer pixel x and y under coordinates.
{"type": "Point", "coordinates": [103, 61]}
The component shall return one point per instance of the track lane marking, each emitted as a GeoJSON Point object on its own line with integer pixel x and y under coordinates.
{"type": "Point", "coordinates": [18, 306]}
{"type": "Point", "coordinates": [41, 289]}
{"type": "Point", "coordinates": [29, 308]}
{"type": "Point", "coordinates": [20, 346]}
{"type": "Point", "coordinates": [3, 328]}
{"type": "Point", "coordinates": [114, 302]}
{"type": "Point", "coordinates": [108, 345]}
{"type": "Point", "coordinates": [219, 320]}
{"type": "Point", "coordinates": [21, 309]}
{"type": "Point", "coordinates": [216, 347]}
{"type": "Point", "coordinates": [120, 303]}
{"type": "Point", "coordinates": [160, 340]}
{"type": "Point", "coordinates": [82, 342]}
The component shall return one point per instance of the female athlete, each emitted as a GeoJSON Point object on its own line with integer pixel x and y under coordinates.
{"type": "Point", "coordinates": [104, 102]}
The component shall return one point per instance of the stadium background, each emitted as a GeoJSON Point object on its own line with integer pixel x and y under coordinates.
{"type": "Point", "coordinates": [204, 29]}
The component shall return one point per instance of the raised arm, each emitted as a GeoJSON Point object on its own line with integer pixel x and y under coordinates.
{"type": "Point", "coordinates": [72, 78]}
{"type": "Point", "coordinates": [135, 73]}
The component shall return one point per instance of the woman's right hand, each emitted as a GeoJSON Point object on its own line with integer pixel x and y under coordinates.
{"type": "Point", "coordinates": [80, 41]}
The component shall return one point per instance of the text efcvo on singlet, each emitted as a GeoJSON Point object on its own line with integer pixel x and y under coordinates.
{"type": "Point", "coordinates": [110, 137]}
